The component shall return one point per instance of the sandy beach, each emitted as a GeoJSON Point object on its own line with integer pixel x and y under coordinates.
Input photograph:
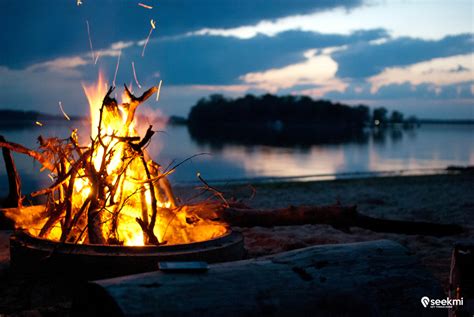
{"type": "Point", "coordinates": [439, 198]}
{"type": "Point", "coordinates": [445, 199]}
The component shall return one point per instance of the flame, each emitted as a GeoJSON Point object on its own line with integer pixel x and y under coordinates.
{"type": "Point", "coordinates": [130, 195]}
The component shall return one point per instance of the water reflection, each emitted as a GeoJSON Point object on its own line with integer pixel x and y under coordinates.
{"type": "Point", "coordinates": [301, 136]}
{"type": "Point", "coordinates": [429, 146]}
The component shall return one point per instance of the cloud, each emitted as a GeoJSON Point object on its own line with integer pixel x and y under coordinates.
{"type": "Point", "coordinates": [384, 50]}
{"type": "Point", "coordinates": [365, 59]}
{"type": "Point", "coordinates": [400, 18]}
{"type": "Point", "coordinates": [318, 70]}
{"type": "Point", "coordinates": [437, 72]}
{"type": "Point", "coordinates": [65, 65]}
{"type": "Point", "coordinates": [70, 66]}
{"type": "Point", "coordinates": [221, 61]}
{"type": "Point", "coordinates": [222, 88]}
{"type": "Point", "coordinates": [39, 31]}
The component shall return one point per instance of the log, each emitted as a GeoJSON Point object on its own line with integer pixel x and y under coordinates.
{"type": "Point", "coordinates": [359, 279]}
{"type": "Point", "coordinates": [341, 217]}
{"type": "Point", "coordinates": [14, 198]}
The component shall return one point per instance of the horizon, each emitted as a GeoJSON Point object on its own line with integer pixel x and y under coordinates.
{"type": "Point", "coordinates": [376, 53]}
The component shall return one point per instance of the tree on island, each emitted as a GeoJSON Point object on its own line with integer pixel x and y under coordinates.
{"type": "Point", "coordinates": [285, 110]}
{"type": "Point", "coordinates": [396, 117]}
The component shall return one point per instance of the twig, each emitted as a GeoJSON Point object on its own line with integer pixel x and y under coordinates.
{"type": "Point", "coordinates": [215, 191]}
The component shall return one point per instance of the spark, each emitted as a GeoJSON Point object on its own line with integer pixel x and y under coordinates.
{"type": "Point", "coordinates": [90, 41]}
{"type": "Point", "coordinates": [116, 68]}
{"type": "Point", "coordinates": [153, 26]}
{"type": "Point", "coordinates": [39, 123]}
{"type": "Point", "coordinates": [97, 58]}
{"type": "Point", "coordinates": [79, 2]}
{"type": "Point", "coordinates": [135, 75]}
{"type": "Point", "coordinates": [145, 6]}
{"type": "Point", "coordinates": [158, 91]}
{"type": "Point", "coordinates": [64, 113]}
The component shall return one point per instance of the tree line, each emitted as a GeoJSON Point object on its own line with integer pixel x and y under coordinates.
{"type": "Point", "coordinates": [287, 110]}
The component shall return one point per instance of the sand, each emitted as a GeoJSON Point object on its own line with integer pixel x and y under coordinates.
{"type": "Point", "coordinates": [439, 198]}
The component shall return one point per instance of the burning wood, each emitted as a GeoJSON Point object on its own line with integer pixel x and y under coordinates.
{"type": "Point", "coordinates": [110, 191]}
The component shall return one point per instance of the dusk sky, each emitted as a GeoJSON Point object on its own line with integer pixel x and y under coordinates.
{"type": "Point", "coordinates": [413, 56]}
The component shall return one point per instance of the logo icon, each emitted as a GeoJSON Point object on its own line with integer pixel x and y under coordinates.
{"type": "Point", "coordinates": [425, 301]}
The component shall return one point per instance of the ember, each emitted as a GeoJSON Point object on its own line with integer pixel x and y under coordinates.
{"type": "Point", "coordinates": [110, 191]}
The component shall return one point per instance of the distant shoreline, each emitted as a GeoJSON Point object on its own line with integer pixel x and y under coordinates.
{"type": "Point", "coordinates": [337, 176]}
{"type": "Point", "coordinates": [447, 121]}
{"type": "Point", "coordinates": [11, 117]}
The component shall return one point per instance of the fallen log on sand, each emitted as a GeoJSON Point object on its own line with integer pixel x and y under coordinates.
{"type": "Point", "coordinates": [341, 217]}
{"type": "Point", "coordinates": [359, 279]}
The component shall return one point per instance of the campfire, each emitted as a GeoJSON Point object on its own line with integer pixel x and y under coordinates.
{"type": "Point", "coordinates": [109, 191]}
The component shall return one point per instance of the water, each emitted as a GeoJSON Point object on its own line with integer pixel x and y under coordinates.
{"type": "Point", "coordinates": [427, 149]}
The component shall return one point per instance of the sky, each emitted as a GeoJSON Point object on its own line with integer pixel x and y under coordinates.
{"type": "Point", "coordinates": [413, 56]}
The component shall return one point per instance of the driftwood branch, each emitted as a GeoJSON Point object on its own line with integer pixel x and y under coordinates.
{"type": "Point", "coordinates": [334, 215]}
{"type": "Point", "coordinates": [14, 198]}
{"type": "Point", "coordinates": [24, 150]}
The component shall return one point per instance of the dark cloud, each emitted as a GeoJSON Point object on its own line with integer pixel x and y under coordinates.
{"type": "Point", "coordinates": [406, 91]}
{"type": "Point", "coordinates": [36, 30]}
{"type": "Point", "coordinates": [209, 60]}
{"type": "Point", "coordinates": [364, 59]}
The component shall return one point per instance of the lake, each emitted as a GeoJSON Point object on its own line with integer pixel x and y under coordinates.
{"type": "Point", "coordinates": [429, 148]}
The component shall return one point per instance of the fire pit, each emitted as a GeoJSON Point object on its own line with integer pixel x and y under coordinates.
{"type": "Point", "coordinates": [111, 209]}
{"type": "Point", "coordinates": [35, 255]}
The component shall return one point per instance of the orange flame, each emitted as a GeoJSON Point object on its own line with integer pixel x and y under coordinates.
{"type": "Point", "coordinates": [133, 198]}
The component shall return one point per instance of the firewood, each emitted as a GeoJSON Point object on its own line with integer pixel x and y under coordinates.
{"type": "Point", "coordinates": [136, 101]}
{"type": "Point", "coordinates": [152, 239]}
